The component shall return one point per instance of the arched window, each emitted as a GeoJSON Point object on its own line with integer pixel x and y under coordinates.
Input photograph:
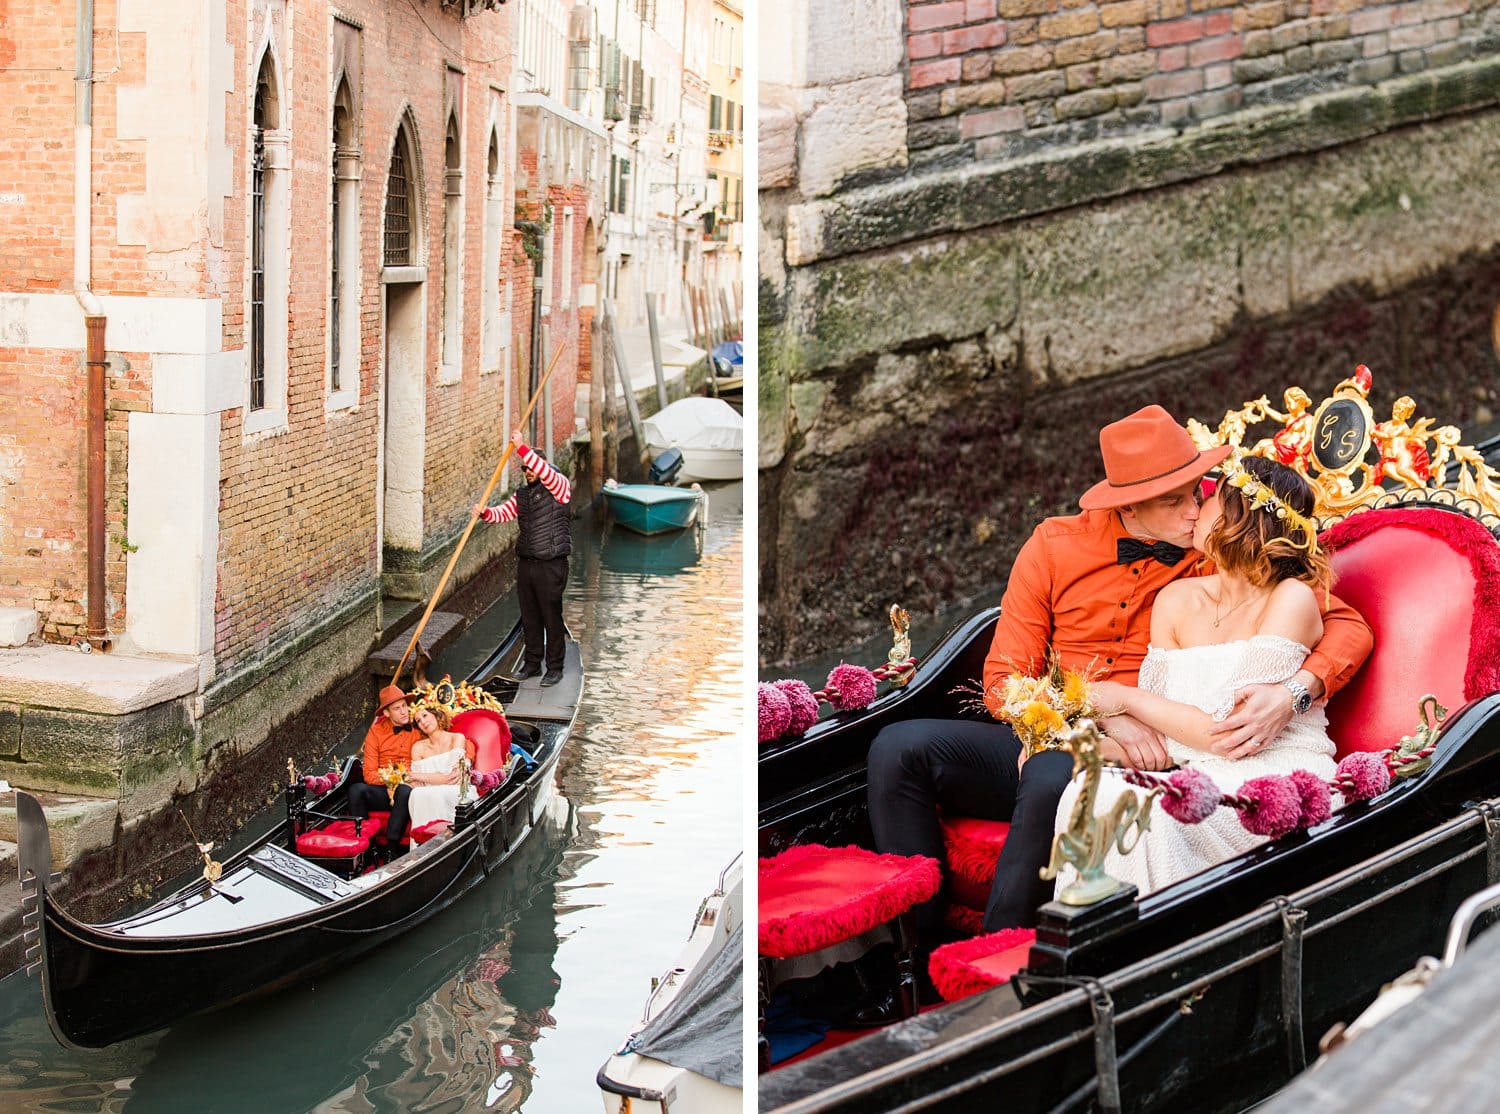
{"type": "Point", "coordinates": [494, 225]}
{"type": "Point", "coordinates": [267, 278]}
{"type": "Point", "coordinates": [398, 206]}
{"type": "Point", "coordinates": [265, 117]}
{"type": "Point", "coordinates": [343, 285]}
{"type": "Point", "coordinates": [453, 223]}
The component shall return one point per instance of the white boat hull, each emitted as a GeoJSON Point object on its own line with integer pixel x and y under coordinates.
{"type": "Point", "coordinates": [652, 1085]}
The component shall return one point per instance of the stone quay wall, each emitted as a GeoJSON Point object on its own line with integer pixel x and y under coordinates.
{"type": "Point", "coordinates": [963, 278]}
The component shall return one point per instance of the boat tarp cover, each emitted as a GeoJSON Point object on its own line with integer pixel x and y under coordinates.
{"type": "Point", "coordinates": [696, 423]}
{"type": "Point", "coordinates": [1436, 1053]}
{"type": "Point", "coordinates": [699, 1031]}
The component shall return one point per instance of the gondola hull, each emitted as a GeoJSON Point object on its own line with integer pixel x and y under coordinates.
{"type": "Point", "coordinates": [201, 949]}
{"type": "Point", "coordinates": [1218, 987]}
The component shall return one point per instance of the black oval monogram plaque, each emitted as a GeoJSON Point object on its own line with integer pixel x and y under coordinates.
{"type": "Point", "coordinates": [1341, 435]}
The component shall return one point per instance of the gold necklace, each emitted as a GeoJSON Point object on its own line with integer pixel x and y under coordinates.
{"type": "Point", "coordinates": [1220, 618]}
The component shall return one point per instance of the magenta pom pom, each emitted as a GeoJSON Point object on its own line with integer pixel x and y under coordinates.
{"type": "Point", "coordinates": [1200, 796]}
{"type": "Point", "coordinates": [1275, 805]}
{"type": "Point", "coordinates": [802, 705]}
{"type": "Point", "coordinates": [317, 786]}
{"type": "Point", "coordinates": [1314, 793]}
{"type": "Point", "coordinates": [773, 710]}
{"type": "Point", "coordinates": [1362, 775]}
{"type": "Point", "coordinates": [486, 781]}
{"type": "Point", "coordinates": [855, 685]}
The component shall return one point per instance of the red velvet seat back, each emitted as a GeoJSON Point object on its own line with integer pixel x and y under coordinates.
{"type": "Point", "coordinates": [1428, 583]}
{"type": "Point", "coordinates": [489, 733]}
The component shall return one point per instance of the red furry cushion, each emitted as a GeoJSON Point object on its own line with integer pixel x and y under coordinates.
{"type": "Point", "coordinates": [335, 841]}
{"type": "Point", "coordinates": [963, 918]}
{"type": "Point", "coordinates": [1442, 637]}
{"type": "Point", "coordinates": [428, 830]}
{"type": "Point", "coordinates": [814, 896]}
{"type": "Point", "coordinates": [971, 848]}
{"type": "Point", "coordinates": [970, 966]}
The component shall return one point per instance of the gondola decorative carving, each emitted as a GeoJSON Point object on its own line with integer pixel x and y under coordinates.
{"type": "Point", "coordinates": [1413, 753]}
{"type": "Point", "coordinates": [899, 662]}
{"type": "Point", "coordinates": [1331, 446]}
{"type": "Point", "coordinates": [1087, 839]}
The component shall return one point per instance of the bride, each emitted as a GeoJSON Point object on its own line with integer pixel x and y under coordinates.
{"type": "Point", "coordinates": [1251, 622]}
{"type": "Point", "coordinates": [434, 770]}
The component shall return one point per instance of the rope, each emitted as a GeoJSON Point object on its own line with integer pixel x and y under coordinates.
{"type": "Point", "coordinates": [474, 515]}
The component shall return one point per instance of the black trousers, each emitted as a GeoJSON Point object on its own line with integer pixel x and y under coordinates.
{"type": "Point", "coordinates": [540, 584]}
{"type": "Point", "coordinates": [968, 769]}
{"type": "Point", "coordinates": [365, 798]}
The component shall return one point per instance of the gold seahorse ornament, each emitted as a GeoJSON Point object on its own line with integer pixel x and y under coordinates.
{"type": "Point", "coordinates": [1087, 840]}
{"type": "Point", "coordinates": [900, 644]}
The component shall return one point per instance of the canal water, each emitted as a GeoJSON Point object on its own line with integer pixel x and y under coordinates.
{"type": "Point", "coordinates": [513, 998]}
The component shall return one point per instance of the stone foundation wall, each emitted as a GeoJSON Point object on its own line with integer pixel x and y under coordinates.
{"type": "Point", "coordinates": [937, 356]}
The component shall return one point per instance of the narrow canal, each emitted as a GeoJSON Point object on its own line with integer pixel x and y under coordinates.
{"type": "Point", "coordinates": [511, 999]}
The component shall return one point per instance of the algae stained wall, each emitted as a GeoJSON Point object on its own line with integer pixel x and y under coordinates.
{"type": "Point", "coordinates": [939, 349]}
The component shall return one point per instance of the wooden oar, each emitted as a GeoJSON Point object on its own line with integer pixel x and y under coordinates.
{"type": "Point", "coordinates": [474, 514]}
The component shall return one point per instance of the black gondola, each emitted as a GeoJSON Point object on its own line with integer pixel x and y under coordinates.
{"type": "Point", "coordinates": [273, 917]}
{"type": "Point", "coordinates": [1206, 995]}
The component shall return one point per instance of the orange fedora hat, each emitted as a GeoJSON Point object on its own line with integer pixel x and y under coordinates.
{"type": "Point", "coordinates": [1145, 455]}
{"type": "Point", "coordinates": [390, 695]}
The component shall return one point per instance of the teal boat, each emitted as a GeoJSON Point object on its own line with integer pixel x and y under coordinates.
{"type": "Point", "coordinates": [653, 509]}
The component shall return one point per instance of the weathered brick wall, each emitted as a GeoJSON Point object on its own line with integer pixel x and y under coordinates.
{"type": "Point", "coordinates": [43, 500]}
{"type": "Point", "coordinates": [989, 79]}
{"type": "Point", "coordinates": [299, 510]}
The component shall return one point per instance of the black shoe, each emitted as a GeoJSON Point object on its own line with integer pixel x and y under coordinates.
{"type": "Point", "coordinates": [526, 672]}
{"type": "Point", "coordinates": [886, 1010]}
{"type": "Point", "coordinates": [551, 677]}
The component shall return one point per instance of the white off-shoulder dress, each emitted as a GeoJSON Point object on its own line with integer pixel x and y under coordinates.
{"type": "Point", "coordinates": [434, 802]}
{"type": "Point", "coordinates": [1210, 678]}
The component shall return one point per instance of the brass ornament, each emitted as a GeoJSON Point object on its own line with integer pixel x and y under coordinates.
{"type": "Point", "coordinates": [1087, 839]}
{"type": "Point", "coordinates": [900, 646]}
{"type": "Point", "coordinates": [1330, 445]}
{"type": "Point", "coordinates": [1408, 759]}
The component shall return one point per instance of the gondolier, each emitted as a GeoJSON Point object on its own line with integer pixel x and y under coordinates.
{"type": "Point", "coordinates": [540, 508]}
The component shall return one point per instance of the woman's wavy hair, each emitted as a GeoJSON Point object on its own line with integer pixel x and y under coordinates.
{"type": "Point", "coordinates": [1259, 546]}
{"type": "Point", "coordinates": [443, 716]}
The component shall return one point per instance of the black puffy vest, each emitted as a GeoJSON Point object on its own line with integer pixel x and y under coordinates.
{"type": "Point", "coordinates": [545, 530]}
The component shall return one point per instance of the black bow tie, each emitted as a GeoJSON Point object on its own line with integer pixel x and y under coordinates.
{"type": "Point", "coordinates": [1131, 549]}
{"type": "Point", "coordinates": [400, 727]}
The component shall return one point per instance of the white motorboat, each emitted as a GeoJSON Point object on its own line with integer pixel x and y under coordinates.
{"type": "Point", "coordinates": [709, 433]}
{"type": "Point", "coordinates": [687, 1052]}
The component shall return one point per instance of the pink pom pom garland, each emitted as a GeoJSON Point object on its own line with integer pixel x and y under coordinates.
{"type": "Point", "coordinates": [1362, 775]}
{"type": "Point", "coordinates": [802, 705]}
{"type": "Point", "coordinates": [773, 711]}
{"type": "Point", "coordinates": [1192, 796]}
{"type": "Point", "coordinates": [1314, 793]}
{"type": "Point", "coordinates": [850, 687]}
{"type": "Point", "coordinates": [320, 784]}
{"type": "Point", "coordinates": [792, 706]}
{"type": "Point", "coordinates": [1272, 805]}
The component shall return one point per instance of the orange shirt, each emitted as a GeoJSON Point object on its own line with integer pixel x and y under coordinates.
{"type": "Point", "coordinates": [1066, 592]}
{"type": "Point", "coordinates": [385, 746]}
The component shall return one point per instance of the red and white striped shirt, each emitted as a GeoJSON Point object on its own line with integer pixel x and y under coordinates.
{"type": "Point", "coordinates": [553, 480]}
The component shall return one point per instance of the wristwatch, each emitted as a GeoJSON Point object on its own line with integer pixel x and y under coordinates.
{"type": "Point", "coordinates": [1301, 698]}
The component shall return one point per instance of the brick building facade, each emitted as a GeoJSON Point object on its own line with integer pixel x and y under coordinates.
{"type": "Point", "coordinates": [301, 233]}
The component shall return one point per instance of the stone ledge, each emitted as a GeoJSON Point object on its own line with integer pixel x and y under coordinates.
{"type": "Point", "coordinates": [75, 825]}
{"type": "Point", "coordinates": [980, 195]}
{"type": "Point", "coordinates": [108, 684]}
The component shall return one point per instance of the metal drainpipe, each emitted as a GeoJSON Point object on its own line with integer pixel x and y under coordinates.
{"type": "Point", "coordinates": [96, 633]}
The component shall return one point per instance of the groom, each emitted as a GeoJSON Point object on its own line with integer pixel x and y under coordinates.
{"type": "Point", "coordinates": [1082, 586]}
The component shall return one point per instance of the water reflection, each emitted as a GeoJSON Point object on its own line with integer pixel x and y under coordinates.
{"type": "Point", "coordinates": [512, 998]}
